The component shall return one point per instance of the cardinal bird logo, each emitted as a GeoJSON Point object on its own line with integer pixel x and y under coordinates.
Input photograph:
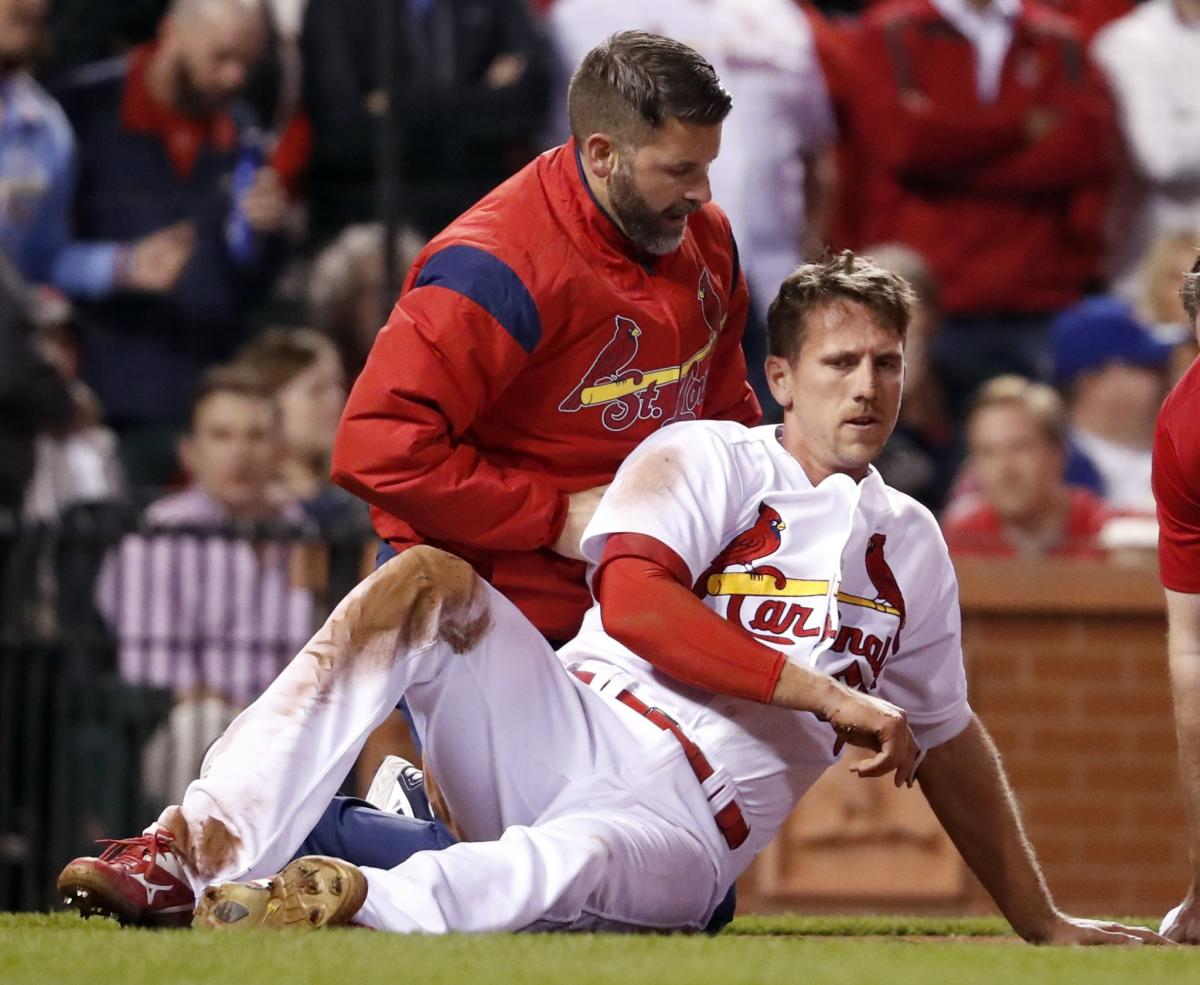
{"type": "Point", "coordinates": [710, 304]}
{"type": "Point", "coordinates": [749, 546]}
{"type": "Point", "coordinates": [886, 589]}
{"type": "Point", "coordinates": [609, 365]}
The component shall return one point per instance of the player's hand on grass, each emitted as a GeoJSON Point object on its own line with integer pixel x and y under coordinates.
{"type": "Point", "coordinates": [872, 723]}
{"type": "Point", "coordinates": [1076, 930]}
{"type": "Point", "coordinates": [1182, 924]}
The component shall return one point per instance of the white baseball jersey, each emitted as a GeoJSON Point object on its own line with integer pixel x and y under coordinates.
{"type": "Point", "coordinates": [804, 584]}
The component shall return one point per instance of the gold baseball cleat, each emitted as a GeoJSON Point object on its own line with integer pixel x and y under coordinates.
{"type": "Point", "coordinates": [310, 892]}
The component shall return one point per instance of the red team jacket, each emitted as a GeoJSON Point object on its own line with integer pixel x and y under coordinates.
{"type": "Point", "coordinates": [1006, 224]}
{"type": "Point", "coordinates": [531, 349]}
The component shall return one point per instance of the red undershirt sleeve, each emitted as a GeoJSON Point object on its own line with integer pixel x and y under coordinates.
{"type": "Point", "coordinates": [647, 604]}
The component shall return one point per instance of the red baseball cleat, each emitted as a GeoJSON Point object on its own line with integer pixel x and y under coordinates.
{"type": "Point", "coordinates": [136, 880]}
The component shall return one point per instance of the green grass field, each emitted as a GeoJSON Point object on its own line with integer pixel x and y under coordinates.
{"type": "Point", "coordinates": [36, 949]}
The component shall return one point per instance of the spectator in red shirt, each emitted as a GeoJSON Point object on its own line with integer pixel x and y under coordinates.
{"type": "Point", "coordinates": [986, 140]}
{"type": "Point", "coordinates": [1016, 437]}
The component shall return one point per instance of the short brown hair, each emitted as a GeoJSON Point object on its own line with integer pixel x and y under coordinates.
{"type": "Point", "coordinates": [279, 354]}
{"type": "Point", "coordinates": [1190, 292]}
{"type": "Point", "coordinates": [840, 278]}
{"type": "Point", "coordinates": [635, 82]}
{"type": "Point", "coordinates": [1040, 399]}
{"type": "Point", "coordinates": [240, 381]}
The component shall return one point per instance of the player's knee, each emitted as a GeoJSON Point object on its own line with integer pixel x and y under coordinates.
{"type": "Point", "coordinates": [439, 596]}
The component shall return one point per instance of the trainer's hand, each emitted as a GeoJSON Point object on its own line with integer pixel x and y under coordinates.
{"type": "Point", "coordinates": [1182, 924]}
{"type": "Point", "coordinates": [1075, 930]}
{"type": "Point", "coordinates": [872, 723]}
{"type": "Point", "coordinates": [580, 507]}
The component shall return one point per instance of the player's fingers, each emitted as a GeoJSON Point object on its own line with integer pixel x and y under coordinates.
{"type": "Point", "coordinates": [1111, 938]}
{"type": "Point", "coordinates": [880, 764]}
{"type": "Point", "coordinates": [1143, 935]}
{"type": "Point", "coordinates": [906, 773]}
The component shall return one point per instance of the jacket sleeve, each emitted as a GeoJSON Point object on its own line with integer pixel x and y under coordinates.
{"type": "Point", "coordinates": [729, 396]}
{"type": "Point", "coordinates": [452, 346]}
{"type": "Point", "coordinates": [912, 136]}
{"type": "Point", "coordinates": [1079, 148]}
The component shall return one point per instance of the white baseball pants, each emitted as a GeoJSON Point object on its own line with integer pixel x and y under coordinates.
{"type": "Point", "coordinates": [579, 813]}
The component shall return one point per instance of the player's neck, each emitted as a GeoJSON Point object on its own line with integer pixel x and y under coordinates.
{"type": "Point", "coordinates": [816, 470]}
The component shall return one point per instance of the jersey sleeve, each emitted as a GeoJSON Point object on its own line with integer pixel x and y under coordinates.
{"type": "Point", "coordinates": [927, 678]}
{"type": "Point", "coordinates": [680, 487]}
{"type": "Point", "coordinates": [1176, 480]}
{"type": "Point", "coordinates": [451, 347]}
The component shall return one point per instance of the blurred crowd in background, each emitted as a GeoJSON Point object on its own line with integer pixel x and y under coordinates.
{"type": "Point", "coordinates": [193, 264]}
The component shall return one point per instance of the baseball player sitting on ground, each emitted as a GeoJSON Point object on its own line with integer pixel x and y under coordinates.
{"type": "Point", "coordinates": [762, 599]}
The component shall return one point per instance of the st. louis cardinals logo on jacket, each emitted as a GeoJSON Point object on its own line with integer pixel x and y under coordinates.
{"type": "Point", "coordinates": [771, 605]}
{"type": "Point", "coordinates": [625, 394]}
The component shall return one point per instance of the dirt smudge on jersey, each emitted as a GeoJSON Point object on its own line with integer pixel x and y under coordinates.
{"type": "Point", "coordinates": [653, 475]}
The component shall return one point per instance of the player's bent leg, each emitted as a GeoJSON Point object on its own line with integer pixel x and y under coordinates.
{"type": "Point", "coordinates": [310, 892]}
{"type": "Point", "coordinates": [279, 764]}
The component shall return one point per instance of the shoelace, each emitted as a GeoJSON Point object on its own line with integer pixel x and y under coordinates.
{"type": "Point", "coordinates": [134, 849]}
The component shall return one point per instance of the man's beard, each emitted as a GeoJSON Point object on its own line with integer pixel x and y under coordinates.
{"type": "Point", "coordinates": [641, 223]}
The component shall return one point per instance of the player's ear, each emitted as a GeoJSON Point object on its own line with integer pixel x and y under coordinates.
{"type": "Point", "coordinates": [779, 379]}
{"type": "Point", "coordinates": [600, 154]}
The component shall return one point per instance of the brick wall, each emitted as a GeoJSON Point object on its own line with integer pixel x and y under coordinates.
{"type": "Point", "coordinates": [1067, 668]}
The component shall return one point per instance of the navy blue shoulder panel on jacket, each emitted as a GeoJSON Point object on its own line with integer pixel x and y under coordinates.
{"type": "Point", "coordinates": [490, 283]}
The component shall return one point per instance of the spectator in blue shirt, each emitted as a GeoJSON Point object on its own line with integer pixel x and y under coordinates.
{"type": "Point", "coordinates": [36, 149]}
{"type": "Point", "coordinates": [168, 251]}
